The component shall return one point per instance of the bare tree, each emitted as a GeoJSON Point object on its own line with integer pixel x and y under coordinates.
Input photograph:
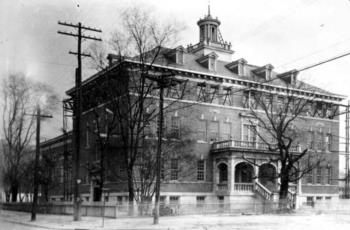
{"type": "Point", "coordinates": [176, 152]}
{"type": "Point", "coordinates": [20, 98]}
{"type": "Point", "coordinates": [278, 121]}
{"type": "Point", "coordinates": [127, 90]}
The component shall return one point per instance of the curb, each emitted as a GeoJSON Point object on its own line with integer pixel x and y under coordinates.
{"type": "Point", "coordinates": [33, 225]}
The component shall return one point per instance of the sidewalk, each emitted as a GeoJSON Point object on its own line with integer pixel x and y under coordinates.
{"type": "Point", "coordinates": [202, 222]}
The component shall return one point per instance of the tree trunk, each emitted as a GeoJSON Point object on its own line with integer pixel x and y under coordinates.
{"type": "Point", "coordinates": [14, 192]}
{"type": "Point", "coordinates": [131, 192]}
{"type": "Point", "coordinates": [283, 194]}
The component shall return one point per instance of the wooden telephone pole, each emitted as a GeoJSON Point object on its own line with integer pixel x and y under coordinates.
{"type": "Point", "coordinates": [38, 116]}
{"type": "Point", "coordinates": [77, 109]}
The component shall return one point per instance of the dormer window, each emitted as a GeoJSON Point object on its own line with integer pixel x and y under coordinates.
{"type": "Point", "coordinates": [289, 77]}
{"type": "Point", "coordinates": [208, 61]}
{"type": "Point", "coordinates": [264, 72]}
{"type": "Point", "coordinates": [237, 67]}
{"type": "Point", "coordinates": [176, 55]}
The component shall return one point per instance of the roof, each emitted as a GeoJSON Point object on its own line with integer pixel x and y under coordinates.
{"type": "Point", "coordinates": [191, 64]}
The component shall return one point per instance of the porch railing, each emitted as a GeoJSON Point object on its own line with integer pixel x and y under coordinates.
{"type": "Point", "coordinates": [263, 191]}
{"type": "Point", "coordinates": [222, 187]}
{"type": "Point", "coordinates": [248, 145]}
{"type": "Point", "coordinates": [244, 187]}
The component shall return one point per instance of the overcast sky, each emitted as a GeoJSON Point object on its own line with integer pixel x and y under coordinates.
{"type": "Point", "coordinates": [288, 34]}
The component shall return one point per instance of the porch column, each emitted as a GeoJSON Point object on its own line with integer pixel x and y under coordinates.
{"type": "Point", "coordinates": [256, 171]}
{"type": "Point", "coordinates": [231, 175]}
{"type": "Point", "coordinates": [215, 176]}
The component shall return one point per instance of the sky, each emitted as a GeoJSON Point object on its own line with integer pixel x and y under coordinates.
{"type": "Point", "coordinates": [288, 34]}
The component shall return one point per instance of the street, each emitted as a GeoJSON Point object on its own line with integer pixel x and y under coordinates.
{"type": "Point", "coordinates": [19, 220]}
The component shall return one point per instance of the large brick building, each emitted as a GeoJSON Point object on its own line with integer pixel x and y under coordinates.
{"type": "Point", "coordinates": [220, 89]}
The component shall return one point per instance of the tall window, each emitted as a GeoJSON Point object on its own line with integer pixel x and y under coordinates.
{"type": "Point", "coordinates": [318, 175]}
{"type": "Point", "coordinates": [329, 175]}
{"type": "Point", "coordinates": [227, 97]}
{"type": "Point", "coordinates": [201, 170]}
{"type": "Point", "coordinates": [280, 102]}
{"type": "Point", "coordinates": [309, 177]}
{"type": "Point", "coordinates": [174, 169]}
{"type": "Point", "coordinates": [202, 130]}
{"type": "Point", "coordinates": [319, 140]}
{"type": "Point", "coordinates": [213, 94]}
{"type": "Point", "coordinates": [223, 171]}
{"type": "Point", "coordinates": [175, 127]}
{"type": "Point", "coordinates": [163, 126]}
{"type": "Point", "coordinates": [226, 131]}
{"type": "Point", "coordinates": [328, 142]}
{"type": "Point", "coordinates": [214, 131]}
{"type": "Point", "coordinates": [245, 99]}
{"type": "Point", "coordinates": [87, 144]}
{"type": "Point", "coordinates": [311, 140]}
{"type": "Point", "coordinates": [249, 133]}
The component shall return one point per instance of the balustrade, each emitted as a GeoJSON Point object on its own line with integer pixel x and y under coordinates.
{"type": "Point", "coordinates": [244, 187]}
{"type": "Point", "coordinates": [222, 187]}
{"type": "Point", "coordinates": [248, 145]}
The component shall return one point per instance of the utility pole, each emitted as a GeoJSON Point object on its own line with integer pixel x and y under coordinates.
{"type": "Point", "coordinates": [163, 81]}
{"type": "Point", "coordinates": [36, 164]}
{"type": "Point", "coordinates": [77, 109]}
{"type": "Point", "coordinates": [347, 135]}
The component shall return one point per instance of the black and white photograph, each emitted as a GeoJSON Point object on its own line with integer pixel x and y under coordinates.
{"type": "Point", "coordinates": [171, 115]}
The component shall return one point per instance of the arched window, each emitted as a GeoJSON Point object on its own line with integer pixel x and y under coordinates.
{"type": "Point", "coordinates": [244, 173]}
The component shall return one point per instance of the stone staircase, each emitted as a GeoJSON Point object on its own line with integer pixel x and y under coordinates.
{"type": "Point", "coordinates": [271, 198]}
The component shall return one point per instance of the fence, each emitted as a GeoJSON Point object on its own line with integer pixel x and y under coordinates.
{"type": "Point", "coordinates": [166, 209]}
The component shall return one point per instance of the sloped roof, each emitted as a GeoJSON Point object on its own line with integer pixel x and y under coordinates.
{"type": "Point", "coordinates": [190, 63]}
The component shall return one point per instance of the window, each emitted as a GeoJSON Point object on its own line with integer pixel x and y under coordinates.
{"type": "Point", "coordinates": [227, 98]}
{"type": "Point", "coordinates": [214, 131]}
{"type": "Point", "coordinates": [311, 141]}
{"type": "Point", "coordinates": [245, 101]}
{"type": "Point", "coordinates": [174, 199]}
{"type": "Point", "coordinates": [202, 94]}
{"type": "Point", "coordinates": [280, 102]}
{"type": "Point", "coordinates": [310, 200]}
{"type": "Point", "coordinates": [175, 127]}
{"type": "Point", "coordinates": [329, 175]}
{"type": "Point", "coordinates": [174, 167]}
{"type": "Point", "coordinates": [87, 139]}
{"type": "Point", "coordinates": [319, 140]}
{"type": "Point", "coordinates": [162, 172]}
{"type": "Point", "coordinates": [249, 133]}
{"type": "Point", "coordinates": [201, 170]}
{"type": "Point", "coordinates": [226, 131]}
{"type": "Point", "coordinates": [202, 130]}
{"type": "Point", "coordinates": [328, 197]}
{"type": "Point", "coordinates": [328, 142]}
{"type": "Point", "coordinates": [213, 94]}
{"type": "Point", "coordinates": [318, 175]}
{"type": "Point", "coordinates": [119, 200]}
{"type": "Point", "coordinates": [223, 172]}
{"type": "Point", "coordinates": [96, 153]}
{"type": "Point", "coordinates": [163, 126]}
{"type": "Point", "coordinates": [200, 200]}
{"type": "Point", "coordinates": [162, 200]}
{"type": "Point", "coordinates": [309, 177]}
{"type": "Point", "coordinates": [318, 197]}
